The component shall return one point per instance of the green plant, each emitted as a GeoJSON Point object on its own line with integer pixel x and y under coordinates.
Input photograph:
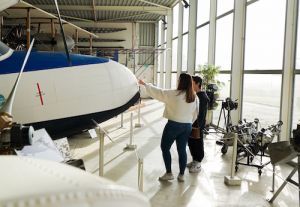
{"type": "Point", "coordinates": [209, 73]}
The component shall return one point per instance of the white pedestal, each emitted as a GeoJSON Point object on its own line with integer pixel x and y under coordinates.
{"type": "Point", "coordinates": [130, 147]}
{"type": "Point", "coordinates": [232, 181]}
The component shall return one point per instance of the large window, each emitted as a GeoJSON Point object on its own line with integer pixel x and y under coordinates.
{"type": "Point", "coordinates": [159, 32]}
{"type": "Point", "coordinates": [175, 20]}
{"type": "Point", "coordinates": [186, 12]}
{"type": "Point", "coordinates": [202, 46]}
{"type": "Point", "coordinates": [174, 63]}
{"type": "Point", "coordinates": [203, 11]}
{"type": "Point", "coordinates": [296, 111]}
{"type": "Point", "coordinates": [174, 54]}
{"type": "Point", "coordinates": [224, 42]}
{"type": "Point", "coordinates": [265, 35]}
{"type": "Point", "coordinates": [261, 98]}
{"type": "Point", "coordinates": [224, 6]}
{"type": "Point", "coordinates": [223, 92]}
{"type": "Point", "coordinates": [159, 56]}
{"type": "Point", "coordinates": [296, 108]}
{"type": "Point", "coordinates": [184, 52]}
{"type": "Point", "coordinates": [174, 81]}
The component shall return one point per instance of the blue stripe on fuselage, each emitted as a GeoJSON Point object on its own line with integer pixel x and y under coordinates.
{"type": "Point", "coordinates": [45, 61]}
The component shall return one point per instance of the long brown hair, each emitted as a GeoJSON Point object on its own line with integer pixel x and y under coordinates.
{"type": "Point", "coordinates": [186, 85]}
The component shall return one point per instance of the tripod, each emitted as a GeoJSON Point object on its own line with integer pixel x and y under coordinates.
{"type": "Point", "coordinates": [228, 105]}
{"type": "Point", "coordinates": [227, 119]}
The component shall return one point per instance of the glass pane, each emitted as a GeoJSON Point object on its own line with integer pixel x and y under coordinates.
{"type": "Point", "coordinates": [224, 6]}
{"type": "Point", "coordinates": [202, 46]}
{"type": "Point", "coordinates": [157, 78]}
{"type": "Point", "coordinates": [298, 44]}
{"type": "Point", "coordinates": [165, 58]}
{"type": "Point", "coordinates": [159, 32]}
{"type": "Point", "coordinates": [184, 52]}
{"type": "Point", "coordinates": [224, 42]}
{"type": "Point", "coordinates": [224, 92]}
{"type": "Point", "coordinates": [186, 12]}
{"type": "Point", "coordinates": [159, 56]}
{"type": "Point", "coordinates": [174, 81]}
{"type": "Point", "coordinates": [296, 111]}
{"type": "Point", "coordinates": [265, 35]}
{"type": "Point", "coordinates": [203, 11]}
{"type": "Point", "coordinates": [262, 98]}
{"type": "Point", "coordinates": [174, 55]}
{"type": "Point", "coordinates": [175, 20]}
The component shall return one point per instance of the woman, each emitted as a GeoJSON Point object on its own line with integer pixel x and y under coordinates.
{"type": "Point", "coordinates": [181, 110]}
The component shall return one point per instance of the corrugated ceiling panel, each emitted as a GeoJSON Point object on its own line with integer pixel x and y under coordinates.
{"type": "Point", "coordinates": [104, 2]}
{"type": "Point", "coordinates": [107, 15]}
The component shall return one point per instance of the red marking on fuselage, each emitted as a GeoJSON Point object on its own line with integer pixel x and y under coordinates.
{"type": "Point", "coordinates": [40, 93]}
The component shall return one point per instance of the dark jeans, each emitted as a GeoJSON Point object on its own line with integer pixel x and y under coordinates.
{"type": "Point", "coordinates": [178, 132]}
{"type": "Point", "coordinates": [197, 148]}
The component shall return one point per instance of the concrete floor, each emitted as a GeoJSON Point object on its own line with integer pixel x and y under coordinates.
{"type": "Point", "coordinates": [206, 188]}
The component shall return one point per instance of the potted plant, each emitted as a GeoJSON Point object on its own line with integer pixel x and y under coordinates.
{"type": "Point", "coordinates": [211, 85]}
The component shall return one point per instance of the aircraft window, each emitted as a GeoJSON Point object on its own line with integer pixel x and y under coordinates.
{"type": "Point", "coordinates": [3, 48]}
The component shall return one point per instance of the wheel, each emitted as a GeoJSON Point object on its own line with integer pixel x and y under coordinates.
{"type": "Point", "coordinates": [259, 172]}
{"type": "Point", "coordinates": [224, 149]}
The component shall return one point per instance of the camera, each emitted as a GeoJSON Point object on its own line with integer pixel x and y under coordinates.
{"type": "Point", "coordinates": [229, 105]}
{"type": "Point", "coordinates": [211, 90]}
{"type": "Point", "coordinates": [16, 137]}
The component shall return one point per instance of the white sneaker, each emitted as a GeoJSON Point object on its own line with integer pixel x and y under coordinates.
{"type": "Point", "coordinates": [195, 168]}
{"type": "Point", "coordinates": [189, 165]}
{"type": "Point", "coordinates": [166, 176]}
{"type": "Point", "coordinates": [180, 178]}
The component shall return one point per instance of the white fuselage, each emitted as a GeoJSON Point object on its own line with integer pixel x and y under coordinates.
{"type": "Point", "coordinates": [67, 92]}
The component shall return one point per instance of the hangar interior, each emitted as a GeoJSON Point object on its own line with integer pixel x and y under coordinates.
{"type": "Point", "coordinates": [252, 43]}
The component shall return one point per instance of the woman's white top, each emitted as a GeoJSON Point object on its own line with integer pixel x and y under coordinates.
{"type": "Point", "coordinates": [176, 108]}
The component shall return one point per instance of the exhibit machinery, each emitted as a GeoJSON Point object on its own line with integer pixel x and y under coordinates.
{"type": "Point", "coordinates": [286, 152]}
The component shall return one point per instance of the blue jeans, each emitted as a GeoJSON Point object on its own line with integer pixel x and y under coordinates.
{"type": "Point", "coordinates": [179, 132]}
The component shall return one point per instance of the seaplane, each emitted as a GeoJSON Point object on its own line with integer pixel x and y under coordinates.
{"type": "Point", "coordinates": [61, 92]}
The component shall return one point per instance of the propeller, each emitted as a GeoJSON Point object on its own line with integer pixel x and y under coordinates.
{"type": "Point", "coordinates": [63, 33]}
{"type": "Point", "coordinates": [7, 108]}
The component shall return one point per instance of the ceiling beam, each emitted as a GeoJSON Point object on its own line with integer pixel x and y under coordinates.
{"type": "Point", "coordinates": [123, 17]}
{"type": "Point", "coordinates": [154, 4]}
{"type": "Point", "coordinates": [149, 9]}
{"type": "Point", "coordinates": [94, 10]}
{"type": "Point", "coordinates": [175, 2]}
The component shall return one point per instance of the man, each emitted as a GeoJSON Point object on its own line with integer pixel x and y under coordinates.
{"type": "Point", "coordinates": [196, 146]}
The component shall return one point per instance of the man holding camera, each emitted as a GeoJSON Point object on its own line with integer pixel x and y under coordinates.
{"type": "Point", "coordinates": [196, 146]}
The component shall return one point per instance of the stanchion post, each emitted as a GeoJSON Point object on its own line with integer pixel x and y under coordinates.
{"type": "Point", "coordinates": [101, 152]}
{"type": "Point", "coordinates": [130, 146]}
{"type": "Point", "coordinates": [122, 120]}
{"type": "Point", "coordinates": [141, 174]}
{"type": "Point", "coordinates": [139, 125]}
{"type": "Point", "coordinates": [233, 180]}
{"type": "Point", "coordinates": [273, 179]}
